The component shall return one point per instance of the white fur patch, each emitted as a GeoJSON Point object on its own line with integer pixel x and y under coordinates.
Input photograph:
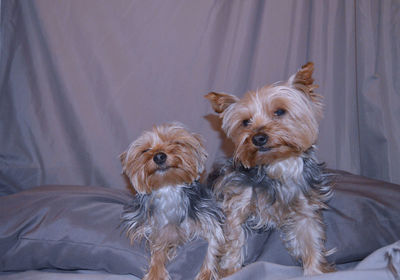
{"type": "Point", "coordinates": [168, 205]}
{"type": "Point", "coordinates": [287, 169]}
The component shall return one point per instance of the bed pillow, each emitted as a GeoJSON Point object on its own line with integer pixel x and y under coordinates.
{"type": "Point", "coordinates": [78, 227]}
{"type": "Point", "coordinates": [363, 215]}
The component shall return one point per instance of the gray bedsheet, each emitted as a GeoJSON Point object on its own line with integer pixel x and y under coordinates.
{"type": "Point", "coordinates": [78, 228]}
{"type": "Point", "coordinates": [381, 265]}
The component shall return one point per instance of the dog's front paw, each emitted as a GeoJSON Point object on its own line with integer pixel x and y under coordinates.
{"type": "Point", "coordinates": [157, 274]}
{"type": "Point", "coordinates": [205, 275]}
{"type": "Point", "coordinates": [319, 269]}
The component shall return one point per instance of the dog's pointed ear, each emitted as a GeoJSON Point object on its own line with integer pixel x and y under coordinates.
{"type": "Point", "coordinates": [221, 101]}
{"type": "Point", "coordinates": [304, 81]}
{"type": "Point", "coordinates": [303, 76]}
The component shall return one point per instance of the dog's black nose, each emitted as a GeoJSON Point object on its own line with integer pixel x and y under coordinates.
{"type": "Point", "coordinates": [260, 139]}
{"type": "Point", "coordinates": [160, 158]}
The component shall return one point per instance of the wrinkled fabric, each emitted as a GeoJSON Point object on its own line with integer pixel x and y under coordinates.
{"type": "Point", "coordinates": [79, 227]}
{"type": "Point", "coordinates": [375, 266]}
{"type": "Point", "coordinates": [363, 216]}
{"type": "Point", "coordinates": [80, 80]}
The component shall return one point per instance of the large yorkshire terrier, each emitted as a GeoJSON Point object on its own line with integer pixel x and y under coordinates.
{"type": "Point", "coordinates": [274, 179]}
{"type": "Point", "coordinates": [171, 207]}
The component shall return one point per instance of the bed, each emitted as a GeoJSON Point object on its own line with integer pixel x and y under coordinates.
{"type": "Point", "coordinates": [74, 232]}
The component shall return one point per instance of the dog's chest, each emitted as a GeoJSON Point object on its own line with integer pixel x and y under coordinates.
{"type": "Point", "coordinates": [169, 205]}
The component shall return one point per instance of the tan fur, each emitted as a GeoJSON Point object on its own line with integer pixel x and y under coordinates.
{"type": "Point", "coordinates": [287, 114]}
{"type": "Point", "coordinates": [238, 209]}
{"type": "Point", "coordinates": [185, 161]}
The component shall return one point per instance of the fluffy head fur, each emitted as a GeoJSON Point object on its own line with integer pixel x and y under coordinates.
{"type": "Point", "coordinates": [184, 162]}
{"type": "Point", "coordinates": [283, 115]}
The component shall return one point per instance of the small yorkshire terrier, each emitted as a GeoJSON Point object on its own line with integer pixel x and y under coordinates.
{"type": "Point", "coordinates": [274, 179]}
{"type": "Point", "coordinates": [171, 207]}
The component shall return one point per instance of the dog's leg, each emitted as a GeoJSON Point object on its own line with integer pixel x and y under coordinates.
{"type": "Point", "coordinates": [304, 235]}
{"type": "Point", "coordinates": [158, 259]}
{"type": "Point", "coordinates": [237, 207]}
{"type": "Point", "coordinates": [210, 267]}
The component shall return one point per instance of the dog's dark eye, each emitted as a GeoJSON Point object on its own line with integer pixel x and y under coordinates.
{"type": "Point", "coordinates": [279, 112]}
{"type": "Point", "coordinates": [245, 122]}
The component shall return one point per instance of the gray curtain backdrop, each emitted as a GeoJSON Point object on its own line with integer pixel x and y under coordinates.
{"type": "Point", "coordinates": [80, 80]}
